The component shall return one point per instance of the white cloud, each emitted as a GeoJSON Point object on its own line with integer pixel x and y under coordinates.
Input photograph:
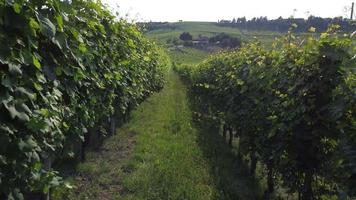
{"type": "Point", "coordinates": [212, 10]}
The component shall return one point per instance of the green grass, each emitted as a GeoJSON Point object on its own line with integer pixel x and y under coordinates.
{"type": "Point", "coordinates": [187, 56]}
{"type": "Point", "coordinates": [167, 162]}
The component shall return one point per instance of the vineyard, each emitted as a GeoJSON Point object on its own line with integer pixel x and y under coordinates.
{"type": "Point", "coordinates": [291, 108]}
{"type": "Point", "coordinates": [85, 90]}
{"type": "Point", "coordinates": [70, 71]}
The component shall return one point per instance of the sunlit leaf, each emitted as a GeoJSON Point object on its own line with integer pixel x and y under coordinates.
{"type": "Point", "coordinates": [36, 63]}
{"type": "Point", "coordinates": [15, 69]}
{"type": "Point", "coordinates": [17, 7]}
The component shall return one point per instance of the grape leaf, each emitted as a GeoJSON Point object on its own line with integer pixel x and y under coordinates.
{"type": "Point", "coordinates": [15, 69]}
{"type": "Point", "coordinates": [47, 27]}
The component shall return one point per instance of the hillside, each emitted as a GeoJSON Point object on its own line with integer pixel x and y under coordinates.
{"type": "Point", "coordinates": [169, 31]}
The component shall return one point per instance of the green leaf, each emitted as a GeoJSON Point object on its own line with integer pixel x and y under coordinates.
{"type": "Point", "coordinates": [17, 8]}
{"type": "Point", "coordinates": [14, 113]}
{"type": "Point", "coordinates": [239, 82]}
{"type": "Point", "coordinates": [37, 86]}
{"type": "Point", "coordinates": [68, 185]}
{"type": "Point", "coordinates": [15, 69]}
{"type": "Point", "coordinates": [27, 57]}
{"type": "Point", "coordinates": [58, 71]}
{"type": "Point", "coordinates": [7, 82]}
{"type": "Point", "coordinates": [56, 92]}
{"type": "Point", "coordinates": [59, 20]}
{"type": "Point", "coordinates": [76, 35]}
{"type": "Point", "coordinates": [324, 35]}
{"type": "Point", "coordinates": [30, 143]}
{"type": "Point", "coordinates": [36, 125]}
{"type": "Point", "coordinates": [6, 129]}
{"type": "Point", "coordinates": [25, 92]}
{"type": "Point", "coordinates": [65, 125]}
{"type": "Point", "coordinates": [55, 182]}
{"type": "Point", "coordinates": [117, 76]}
{"type": "Point", "coordinates": [61, 40]}
{"type": "Point", "coordinates": [25, 108]}
{"type": "Point", "coordinates": [35, 62]}
{"type": "Point", "coordinates": [312, 30]}
{"type": "Point", "coordinates": [146, 58]}
{"type": "Point", "coordinates": [47, 27]}
{"type": "Point", "coordinates": [82, 47]}
{"type": "Point", "coordinates": [2, 159]}
{"type": "Point", "coordinates": [10, 2]}
{"type": "Point", "coordinates": [34, 26]}
{"type": "Point", "coordinates": [44, 112]}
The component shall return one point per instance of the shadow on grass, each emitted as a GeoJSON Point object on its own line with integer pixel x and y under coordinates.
{"type": "Point", "coordinates": [229, 171]}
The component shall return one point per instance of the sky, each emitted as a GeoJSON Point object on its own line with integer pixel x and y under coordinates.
{"type": "Point", "coordinates": [213, 10]}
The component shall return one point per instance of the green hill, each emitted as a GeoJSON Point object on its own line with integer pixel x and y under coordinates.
{"type": "Point", "coordinates": [169, 31]}
{"type": "Point", "coordinates": [207, 29]}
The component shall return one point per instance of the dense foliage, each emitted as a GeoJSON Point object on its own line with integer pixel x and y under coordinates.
{"type": "Point", "coordinates": [185, 36]}
{"type": "Point", "coordinates": [65, 67]}
{"type": "Point", "coordinates": [225, 41]}
{"type": "Point", "coordinates": [292, 107]}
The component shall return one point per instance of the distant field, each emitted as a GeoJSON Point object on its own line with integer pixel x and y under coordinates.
{"type": "Point", "coordinates": [194, 56]}
{"type": "Point", "coordinates": [209, 29]}
{"type": "Point", "coordinates": [189, 56]}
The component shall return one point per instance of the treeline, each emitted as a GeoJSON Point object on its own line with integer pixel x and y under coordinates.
{"type": "Point", "coordinates": [282, 25]}
{"type": "Point", "coordinates": [222, 40]}
{"type": "Point", "coordinates": [291, 108]}
{"type": "Point", "coordinates": [70, 71]}
{"type": "Point", "coordinates": [225, 40]}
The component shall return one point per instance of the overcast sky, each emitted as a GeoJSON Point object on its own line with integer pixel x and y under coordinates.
{"type": "Point", "coordinates": [212, 10]}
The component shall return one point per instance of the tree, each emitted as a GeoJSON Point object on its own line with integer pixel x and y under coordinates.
{"type": "Point", "coordinates": [225, 40]}
{"type": "Point", "coordinates": [186, 36]}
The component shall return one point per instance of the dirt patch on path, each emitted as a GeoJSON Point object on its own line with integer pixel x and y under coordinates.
{"type": "Point", "coordinates": [100, 176]}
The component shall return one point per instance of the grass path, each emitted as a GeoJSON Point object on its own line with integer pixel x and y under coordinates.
{"type": "Point", "coordinates": [167, 162]}
{"type": "Point", "coordinates": [160, 155]}
{"type": "Point", "coordinates": [154, 156]}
